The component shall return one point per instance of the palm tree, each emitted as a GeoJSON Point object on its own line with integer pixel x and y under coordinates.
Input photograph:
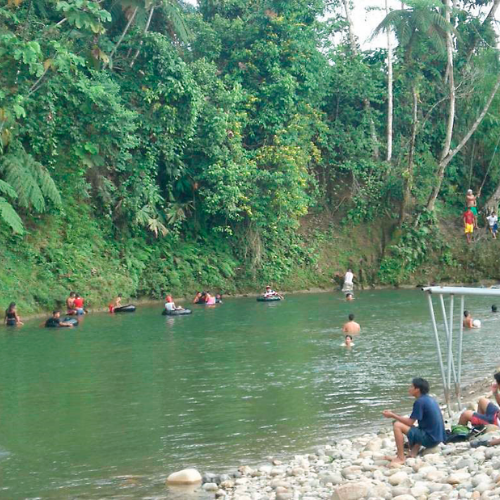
{"type": "Point", "coordinates": [420, 24]}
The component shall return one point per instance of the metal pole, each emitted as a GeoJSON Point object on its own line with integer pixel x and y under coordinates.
{"type": "Point", "coordinates": [445, 320]}
{"type": "Point", "coordinates": [450, 343]}
{"type": "Point", "coordinates": [438, 347]}
{"type": "Point", "coordinates": [458, 389]}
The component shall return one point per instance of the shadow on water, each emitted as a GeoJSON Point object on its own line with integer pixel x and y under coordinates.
{"type": "Point", "coordinates": [115, 405]}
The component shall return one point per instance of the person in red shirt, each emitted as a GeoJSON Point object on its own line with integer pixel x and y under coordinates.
{"type": "Point", "coordinates": [79, 305]}
{"type": "Point", "coordinates": [469, 224]}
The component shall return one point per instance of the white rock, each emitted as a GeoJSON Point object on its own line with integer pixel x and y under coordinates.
{"type": "Point", "coordinates": [458, 477]}
{"type": "Point", "coordinates": [480, 479]}
{"type": "Point", "coordinates": [404, 497]}
{"type": "Point", "coordinates": [351, 491]}
{"type": "Point", "coordinates": [185, 476]}
{"type": "Point", "coordinates": [210, 487]}
{"type": "Point", "coordinates": [419, 489]}
{"type": "Point", "coordinates": [398, 478]}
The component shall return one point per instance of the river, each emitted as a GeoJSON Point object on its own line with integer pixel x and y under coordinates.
{"type": "Point", "coordinates": [143, 395]}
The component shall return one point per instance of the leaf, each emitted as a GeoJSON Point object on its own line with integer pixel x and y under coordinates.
{"type": "Point", "coordinates": [10, 216]}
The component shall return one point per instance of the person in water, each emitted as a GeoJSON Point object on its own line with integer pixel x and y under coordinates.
{"type": "Point", "coordinates": [487, 412]}
{"type": "Point", "coordinates": [11, 316]}
{"type": "Point", "coordinates": [494, 308]}
{"type": "Point", "coordinates": [209, 300]}
{"type": "Point", "coordinates": [170, 305]}
{"type": "Point", "coordinates": [70, 304]}
{"type": "Point", "coordinates": [430, 431]}
{"type": "Point", "coordinates": [348, 341]}
{"type": "Point", "coordinates": [55, 321]}
{"type": "Point", "coordinates": [351, 327]}
{"type": "Point", "coordinates": [117, 302]}
{"type": "Point", "coordinates": [468, 321]}
{"type": "Point", "coordinates": [218, 298]}
{"type": "Point", "coordinates": [271, 293]}
{"type": "Point", "coordinates": [198, 298]}
{"type": "Point", "coordinates": [79, 304]}
{"type": "Point", "coordinates": [349, 297]}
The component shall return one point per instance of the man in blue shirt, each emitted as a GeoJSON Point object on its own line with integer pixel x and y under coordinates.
{"type": "Point", "coordinates": [430, 430]}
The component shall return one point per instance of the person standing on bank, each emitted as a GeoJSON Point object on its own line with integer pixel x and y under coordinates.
{"type": "Point", "coordinates": [469, 219]}
{"type": "Point", "coordinates": [471, 202]}
{"type": "Point", "coordinates": [348, 281]}
{"type": "Point", "coordinates": [430, 431]}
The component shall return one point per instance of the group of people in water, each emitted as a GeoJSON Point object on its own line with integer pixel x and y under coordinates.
{"type": "Point", "coordinates": [470, 217]}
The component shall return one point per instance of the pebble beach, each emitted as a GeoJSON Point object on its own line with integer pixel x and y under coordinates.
{"type": "Point", "coordinates": [357, 468]}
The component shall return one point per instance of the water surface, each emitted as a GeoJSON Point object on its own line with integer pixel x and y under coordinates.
{"type": "Point", "coordinates": [143, 395]}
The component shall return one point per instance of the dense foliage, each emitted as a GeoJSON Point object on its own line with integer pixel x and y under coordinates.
{"type": "Point", "coordinates": [148, 146]}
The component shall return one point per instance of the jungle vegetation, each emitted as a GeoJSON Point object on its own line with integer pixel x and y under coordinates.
{"type": "Point", "coordinates": [150, 145]}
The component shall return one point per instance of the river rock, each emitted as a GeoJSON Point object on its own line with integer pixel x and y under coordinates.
{"type": "Point", "coordinates": [185, 476]}
{"type": "Point", "coordinates": [351, 491]}
{"type": "Point", "coordinates": [419, 489]}
{"type": "Point", "coordinates": [458, 478]}
{"type": "Point", "coordinates": [480, 479]}
{"type": "Point", "coordinates": [227, 484]}
{"type": "Point", "coordinates": [210, 487]}
{"type": "Point", "coordinates": [351, 472]}
{"type": "Point", "coordinates": [404, 497]}
{"type": "Point", "coordinates": [398, 478]}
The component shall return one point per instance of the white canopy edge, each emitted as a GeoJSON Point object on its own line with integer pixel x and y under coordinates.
{"type": "Point", "coordinates": [459, 290]}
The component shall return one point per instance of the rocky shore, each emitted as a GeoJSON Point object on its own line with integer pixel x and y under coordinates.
{"type": "Point", "coordinates": [352, 469]}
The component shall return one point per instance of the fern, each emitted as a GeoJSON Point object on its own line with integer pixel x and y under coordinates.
{"type": "Point", "coordinates": [10, 217]}
{"type": "Point", "coordinates": [30, 181]}
{"type": "Point", "coordinates": [7, 189]}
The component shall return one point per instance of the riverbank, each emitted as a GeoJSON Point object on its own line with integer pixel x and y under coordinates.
{"type": "Point", "coordinates": [350, 469]}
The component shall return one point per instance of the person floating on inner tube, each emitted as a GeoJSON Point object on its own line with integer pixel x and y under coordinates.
{"type": "Point", "coordinates": [55, 321]}
{"type": "Point", "coordinates": [170, 305]}
{"type": "Point", "coordinates": [117, 302]}
{"type": "Point", "coordinates": [11, 316]}
{"type": "Point", "coordinates": [70, 304]}
{"type": "Point", "coordinates": [271, 293]}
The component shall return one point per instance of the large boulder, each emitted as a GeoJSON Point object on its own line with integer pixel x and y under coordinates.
{"type": "Point", "coordinates": [185, 476]}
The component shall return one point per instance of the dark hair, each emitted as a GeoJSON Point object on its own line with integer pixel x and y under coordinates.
{"type": "Point", "coordinates": [497, 377]}
{"type": "Point", "coordinates": [494, 308]}
{"type": "Point", "coordinates": [421, 384]}
{"type": "Point", "coordinates": [11, 307]}
{"type": "Point", "coordinates": [351, 317]}
{"type": "Point", "coordinates": [466, 313]}
{"type": "Point", "coordinates": [348, 337]}
{"type": "Point", "coordinates": [54, 312]}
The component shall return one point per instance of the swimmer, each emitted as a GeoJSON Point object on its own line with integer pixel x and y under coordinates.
{"type": "Point", "coordinates": [351, 327]}
{"type": "Point", "coordinates": [11, 316]}
{"type": "Point", "coordinates": [349, 296]}
{"type": "Point", "coordinates": [348, 341]}
{"type": "Point", "coordinates": [494, 308]}
{"type": "Point", "coordinates": [468, 321]}
{"type": "Point", "coordinates": [198, 298]}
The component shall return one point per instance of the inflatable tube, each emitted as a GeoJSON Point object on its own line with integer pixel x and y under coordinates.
{"type": "Point", "coordinates": [73, 321]}
{"type": "Point", "coordinates": [476, 323]}
{"type": "Point", "coordinates": [269, 299]}
{"type": "Point", "coordinates": [180, 312]}
{"type": "Point", "coordinates": [130, 308]}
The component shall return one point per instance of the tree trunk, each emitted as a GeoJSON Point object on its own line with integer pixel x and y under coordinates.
{"type": "Point", "coordinates": [408, 177]}
{"type": "Point", "coordinates": [146, 28]}
{"type": "Point", "coordinates": [389, 91]}
{"type": "Point", "coordinates": [122, 36]}
{"type": "Point", "coordinates": [366, 102]}
{"type": "Point", "coordinates": [493, 201]}
{"type": "Point", "coordinates": [451, 84]}
{"type": "Point", "coordinates": [444, 162]}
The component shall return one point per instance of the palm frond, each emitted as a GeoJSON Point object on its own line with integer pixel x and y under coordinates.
{"type": "Point", "coordinates": [7, 189]}
{"type": "Point", "coordinates": [175, 16]}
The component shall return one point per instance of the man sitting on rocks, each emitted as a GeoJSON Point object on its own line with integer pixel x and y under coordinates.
{"type": "Point", "coordinates": [487, 412]}
{"type": "Point", "coordinates": [430, 430]}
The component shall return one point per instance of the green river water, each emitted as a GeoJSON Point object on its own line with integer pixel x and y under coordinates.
{"type": "Point", "coordinates": [144, 395]}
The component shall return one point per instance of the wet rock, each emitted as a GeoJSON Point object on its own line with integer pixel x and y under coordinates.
{"type": "Point", "coordinates": [210, 487]}
{"type": "Point", "coordinates": [185, 476]}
